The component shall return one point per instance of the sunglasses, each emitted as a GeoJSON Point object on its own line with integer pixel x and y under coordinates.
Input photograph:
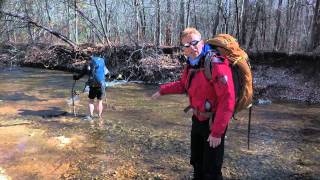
{"type": "Point", "coordinates": [192, 43]}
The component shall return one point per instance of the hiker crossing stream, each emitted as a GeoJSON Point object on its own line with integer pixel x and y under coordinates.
{"type": "Point", "coordinates": [141, 138]}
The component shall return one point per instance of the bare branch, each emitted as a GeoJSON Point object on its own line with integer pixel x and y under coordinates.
{"type": "Point", "coordinates": [30, 21]}
{"type": "Point", "coordinates": [91, 23]}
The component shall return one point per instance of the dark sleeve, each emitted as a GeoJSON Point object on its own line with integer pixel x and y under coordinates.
{"type": "Point", "coordinates": [83, 72]}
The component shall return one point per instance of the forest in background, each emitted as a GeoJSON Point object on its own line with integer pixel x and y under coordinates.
{"type": "Point", "coordinates": [260, 25]}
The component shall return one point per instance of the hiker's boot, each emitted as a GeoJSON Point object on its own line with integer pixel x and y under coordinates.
{"type": "Point", "coordinates": [213, 176]}
{"type": "Point", "coordinates": [88, 118]}
{"type": "Point", "coordinates": [197, 173]}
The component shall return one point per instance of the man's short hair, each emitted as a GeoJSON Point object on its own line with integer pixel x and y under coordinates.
{"type": "Point", "coordinates": [88, 50]}
{"type": "Point", "coordinates": [91, 51]}
{"type": "Point", "coordinates": [188, 31]}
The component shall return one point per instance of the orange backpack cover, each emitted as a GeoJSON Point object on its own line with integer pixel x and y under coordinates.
{"type": "Point", "coordinates": [229, 47]}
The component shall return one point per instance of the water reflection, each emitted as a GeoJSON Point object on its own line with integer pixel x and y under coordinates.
{"type": "Point", "coordinates": [19, 96]}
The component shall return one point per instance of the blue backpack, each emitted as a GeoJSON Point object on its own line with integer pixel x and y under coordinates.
{"type": "Point", "coordinates": [97, 72]}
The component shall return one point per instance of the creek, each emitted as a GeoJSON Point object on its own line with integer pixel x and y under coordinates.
{"type": "Point", "coordinates": [141, 138]}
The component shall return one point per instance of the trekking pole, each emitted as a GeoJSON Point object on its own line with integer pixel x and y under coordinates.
{"type": "Point", "coordinates": [249, 126]}
{"type": "Point", "coordinates": [72, 97]}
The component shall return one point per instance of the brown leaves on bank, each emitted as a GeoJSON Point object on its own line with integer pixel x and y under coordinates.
{"type": "Point", "coordinates": [145, 63]}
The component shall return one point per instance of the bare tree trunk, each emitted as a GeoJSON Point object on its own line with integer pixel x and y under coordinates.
{"type": "Point", "coordinates": [76, 23]}
{"type": "Point", "coordinates": [315, 33]}
{"type": "Point", "coordinates": [295, 33]}
{"type": "Point", "coordinates": [216, 23]}
{"type": "Point", "coordinates": [216, 19]}
{"type": "Point", "coordinates": [289, 19]}
{"type": "Point", "coordinates": [142, 15]}
{"type": "Point", "coordinates": [47, 11]}
{"type": "Point", "coordinates": [49, 17]}
{"type": "Point", "coordinates": [158, 24]}
{"type": "Point", "coordinates": [181, 14]}
{"type": "Point", "coordinates": [237, 20]}
{"type": "Point", "coordinates": [68, 19]}
{"type": "Point", "coordinates": [255, 23]}
{"type": "Point", "coordinates": [188, 13]}
{"type": "Point", "coordinates": [29, 27]}
{"type": "Point", "coordinates": [225, 15]}
{"type": "Point", "coordinates": [1, 3]}
{"type": "Point", "coordinates": [9, 33]}
{"type": "Point", "coordinates": [1, 14]}
{"type": "Point", "coordinates": [278, 16]}
{"type": "Point", "coordinates": [245, 10]}
{"type": "Point", "coordinates": [195, 15]}
{"type": "Point", "coordinates": [137, 20]}
{"type": "Point", "coordinates": [106, 18]}
{"type": "Point", "coordinates": [169, 24]}
{"type": "Point", "coordinates": [263, 26]}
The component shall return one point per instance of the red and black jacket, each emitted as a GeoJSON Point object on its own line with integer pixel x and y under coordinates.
{"type": "Point", "coordinates": [219, 91]}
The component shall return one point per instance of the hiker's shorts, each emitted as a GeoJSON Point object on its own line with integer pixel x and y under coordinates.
{"type": "Point", "coordinates": [97, 92]}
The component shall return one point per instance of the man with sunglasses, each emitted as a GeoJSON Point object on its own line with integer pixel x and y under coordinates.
{"type": "Point", "coordinates": [212, 102]}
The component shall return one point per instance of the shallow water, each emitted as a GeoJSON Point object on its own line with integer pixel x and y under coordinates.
{"type": "Point", "coordinates": [141, 138]}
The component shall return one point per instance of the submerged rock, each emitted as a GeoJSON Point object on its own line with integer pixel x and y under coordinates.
{"type": "Point", "coordinates": [264, 101]}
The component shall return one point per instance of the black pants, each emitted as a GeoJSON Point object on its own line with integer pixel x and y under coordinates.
{"type": "Point", "coordinates": [206, 161]}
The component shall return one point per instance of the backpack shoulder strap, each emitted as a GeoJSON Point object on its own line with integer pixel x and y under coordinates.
{"type": "Point", "coordinates": [211, 58]}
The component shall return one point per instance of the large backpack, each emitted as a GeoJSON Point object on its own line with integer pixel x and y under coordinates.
{"type": "Point", "coordinates": [241, 70]}
{"type": "Point", "coordinates": [97, 71]}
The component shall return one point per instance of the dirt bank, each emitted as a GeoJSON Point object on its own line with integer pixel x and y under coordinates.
{"type": "Point", "coordinates": [287, 77]}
